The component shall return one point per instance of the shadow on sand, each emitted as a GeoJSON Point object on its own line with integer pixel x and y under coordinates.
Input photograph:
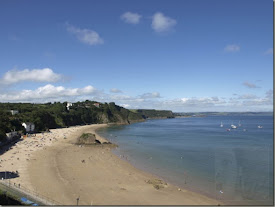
{"type": "Point", "coordinates": [8, 175]}
{"type": "Point", "coordinates": [5, 147]}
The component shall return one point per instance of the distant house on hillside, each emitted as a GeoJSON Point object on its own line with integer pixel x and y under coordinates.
{"type": "Point", "coordinates": [69, 105]}
{"type": "Point", "coordinates": [87, 106]}
{"type": "Point", "coordinates": [13, 112]}
{"type": "Point", "coordinates": [29, 126]}
{"type": "Point", "coordinates": [96, 105]}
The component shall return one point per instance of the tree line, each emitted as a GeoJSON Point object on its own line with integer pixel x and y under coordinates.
{"type": "Point", "coordinates": [57, 115]}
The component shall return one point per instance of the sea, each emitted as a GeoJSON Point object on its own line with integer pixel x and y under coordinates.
{"type": "Point", "coordinates": [196, 153]}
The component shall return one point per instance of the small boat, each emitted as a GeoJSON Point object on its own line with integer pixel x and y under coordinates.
{"type": "Point", "coordinates": [228, 130]}
{"type": "Point", "coordinates": [221, 124]}
{"type": "Point", "coordinates": [260, 127]}
{"type": "Point", "coordinates": [233, 126]}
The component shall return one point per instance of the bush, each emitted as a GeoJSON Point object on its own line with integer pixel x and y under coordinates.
{"type": "Point", "coordinates": [3, 137]}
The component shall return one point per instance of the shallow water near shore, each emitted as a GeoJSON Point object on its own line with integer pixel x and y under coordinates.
{"type": "Point", "coordinates": [196, 153]}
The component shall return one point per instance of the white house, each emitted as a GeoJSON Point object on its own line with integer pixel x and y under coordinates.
{"type": "Point", "coordinates": [29, 126]}
{"type": "Point", "coordinates": [69, 105]}
{"type": "Point", "coordinates": [13, 112]}
{"type": "Point", "coordinates": [96, 105]}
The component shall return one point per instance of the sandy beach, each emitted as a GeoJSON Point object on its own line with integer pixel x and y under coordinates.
{"type": "Point", "coordinates": [52, 165]}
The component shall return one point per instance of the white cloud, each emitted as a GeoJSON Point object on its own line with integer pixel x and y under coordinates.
{"type": "Point", "coordinates": [161, 23]}
{"type": "Point", "coordinates": [216, 104]}
{"type": "Point", "coordinates": [203, 101]}
{"type": "Point", "coordinates": [35, 75]}
{"type": "Point", "coordinates": [50, 93]}
{"type": "Point", "coordinates": [131, 18]}
{"type": "Point", "coordinates": [259, 102]}
{"type": "Point", "coordinates": [150, 95]}
{"type": "Point", "coordinates": [193, 104]}
{"type": "Point", "coordinates": [250, 85]}
{"type": "Point", "coordinates": [46, 93]}
{"type": "Point", "coordinates": [269, 51]}
{"type": "Point", "coordinates": [125, 105]}
{"type": "Point", "coordinates": [115, 90]}
{"type": "Point", "coordinates": [247, 96]}
{"type": "Point", "coordinates": [269, 94]}
{"type": "Point", "coordinates": [86, 36]}
{"type": "Point", "coordinates": [232, 48]}
{"type": "Point", "coordinates": [120, 97]}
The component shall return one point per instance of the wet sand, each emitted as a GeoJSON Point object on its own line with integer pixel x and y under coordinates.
{"type": "Point", "coordinates": [64, 172]}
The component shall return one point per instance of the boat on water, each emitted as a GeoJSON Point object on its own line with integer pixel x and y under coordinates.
{"type": "Point", "coordinates": [233, 126]}
{"type": "Point", "coordinates": [260, 127]}
{"type": "Point", "coordinates": [221, 124]}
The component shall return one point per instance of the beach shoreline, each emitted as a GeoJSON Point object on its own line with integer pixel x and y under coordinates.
{"type": "Point", "coordinates": [63, 171]}
{"type": "Point", "coordinates": [173, 183]}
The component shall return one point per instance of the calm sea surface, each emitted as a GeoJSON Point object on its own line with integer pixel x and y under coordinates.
{"type": "Point", "coordinates": [198, 154]}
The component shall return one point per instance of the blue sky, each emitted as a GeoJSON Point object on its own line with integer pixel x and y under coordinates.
{"type": "Point", "coordinates": [180, 55]}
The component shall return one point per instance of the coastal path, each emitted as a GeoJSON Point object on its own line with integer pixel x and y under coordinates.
{"type": "Point", "coordinates": [23, 192]}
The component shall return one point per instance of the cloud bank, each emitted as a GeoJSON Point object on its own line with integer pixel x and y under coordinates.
{"type": "Point", "coordinates": [49, 92]}
{"type": "Point", "coordinates": [46, 93]}
{"type": "Point", "coordinates": [147, 100]}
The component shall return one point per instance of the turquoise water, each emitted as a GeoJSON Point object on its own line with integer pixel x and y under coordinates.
{"type": "Point", "coordinates": [196, 153]}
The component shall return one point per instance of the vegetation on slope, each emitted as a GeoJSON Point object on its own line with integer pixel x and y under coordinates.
{"type": "Point", "coordinates": [57, 115]}
{"type": "Point", "coordinates": [6, 198]}
{"type": "Point", "coordinates": [153, 114]}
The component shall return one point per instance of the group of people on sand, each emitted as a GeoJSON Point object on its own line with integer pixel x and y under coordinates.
{"type": "Point", "coordinates": [13, 155]}
{"type": "Point", "coordinates": [21, 151]}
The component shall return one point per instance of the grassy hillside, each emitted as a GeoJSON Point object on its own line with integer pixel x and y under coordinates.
{"type": "Point", "coordinates": [56, 115]}
{"type": "Point", "coordinates": [153, 114]}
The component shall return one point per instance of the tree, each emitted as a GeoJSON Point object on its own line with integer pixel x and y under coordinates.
{"type": "Point", "coordinates": [3, 137]}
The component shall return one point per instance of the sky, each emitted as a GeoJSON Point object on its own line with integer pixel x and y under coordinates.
{"type": "Point", "coordinates": [179, 55]}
